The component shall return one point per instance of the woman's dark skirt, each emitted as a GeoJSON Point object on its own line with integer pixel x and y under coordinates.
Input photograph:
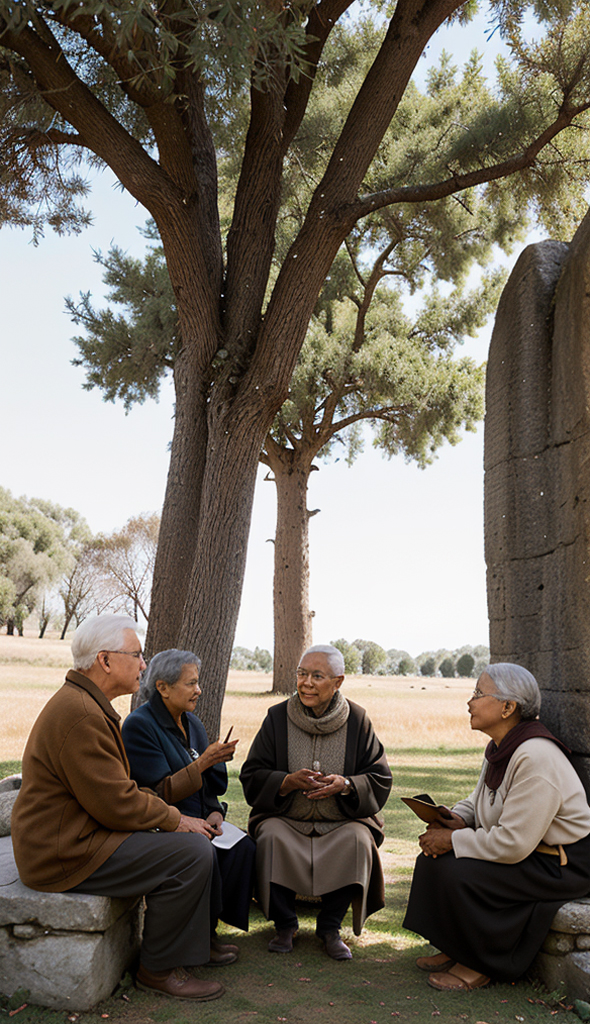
{"type": "Point", "coordinates": [236, 867]}
{"type": "Point", "coordinates": [494, 917]}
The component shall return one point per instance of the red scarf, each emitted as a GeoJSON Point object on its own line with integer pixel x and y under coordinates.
{"type": "Point", "coordinates": [498, 757]}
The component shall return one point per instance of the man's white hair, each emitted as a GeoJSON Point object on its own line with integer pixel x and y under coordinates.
{"type": "Point", "coordinates": [99, 633]}
{"type": "Point", "coordinates": [334, 657]}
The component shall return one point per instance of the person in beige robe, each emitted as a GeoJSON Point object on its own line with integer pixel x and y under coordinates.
{"type": "Point", "coordinates": [316, 777]}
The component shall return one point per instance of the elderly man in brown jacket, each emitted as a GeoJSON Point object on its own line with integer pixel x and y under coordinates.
{"type": "Point", "coordinates": [80, 824]}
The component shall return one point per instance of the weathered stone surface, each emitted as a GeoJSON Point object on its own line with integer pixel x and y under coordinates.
{"type": "Point", "coordinates": [551, 970]}
{"type": "Point", "coordinates": [577, 978]}
{"type": "Point", "coordinates": [64, 911]}
{"type": "Point", "coordinates": [10, 782]}
{"type": "Point", "coordinates": [68, 970]}
{"type": "Point", "coordinates": [6, 804]}
{"type": "Point", "coordinates": [573, 918]}
{"type": "Point", "coordinates": [557, 943]}
{"type": "Point", "coordinates": [537, 489]}
{"type": "Point", "coordinates": [582, 941]}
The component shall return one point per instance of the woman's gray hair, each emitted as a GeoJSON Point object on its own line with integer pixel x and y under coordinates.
{"type": "Point", "coordinates": [99, 633]}
{"type": "Point", "coordinates": [514, 682]}
{"type": "Point", "coordinates": [166, 666]}
{"type": "Point", "coordinates": [334, 657]}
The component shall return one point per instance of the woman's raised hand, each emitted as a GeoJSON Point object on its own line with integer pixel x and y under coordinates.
{"type": "Point", "coordinates": [215, 753]}
{"type": "Point", "coordinates": [304, 779]}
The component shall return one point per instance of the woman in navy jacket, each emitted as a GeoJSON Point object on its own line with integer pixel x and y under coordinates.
{"type": "Point", "coordinates": [169, 752]}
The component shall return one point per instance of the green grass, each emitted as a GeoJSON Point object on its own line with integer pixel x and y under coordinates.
{"type": "Point", "coordinates": [380, 985]}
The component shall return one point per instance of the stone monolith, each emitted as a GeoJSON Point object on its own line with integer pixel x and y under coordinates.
{"type": "Point", "coordinates": [537, 481]}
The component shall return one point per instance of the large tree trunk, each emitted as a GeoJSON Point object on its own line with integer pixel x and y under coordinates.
{"type": "Point", "coordinates": [236, 433]}
{"type": "Point", "coordinates": [292, 617]}
{"type": "Point", "coordinates": [180, 513]}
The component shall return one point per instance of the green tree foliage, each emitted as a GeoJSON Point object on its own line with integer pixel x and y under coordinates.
{"type": "Point", "coordinates": [351, 654]}
{"type": "Point", "coordinates": [407, 667]}
{"type": "Point", "coordinates": [428, 667]}
{"type": "Point", "coordinates": [39, 541]}
{"type": "Point", "coordinates": [258, 660]}
{"type": "Point", "coordinates": [374, 658]}
{"type": "Point", "coordinates": [447, 668]}
{"type": "Point", "coordinates": [465, 665]}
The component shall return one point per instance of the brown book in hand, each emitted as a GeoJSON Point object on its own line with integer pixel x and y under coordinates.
{"type": "Point", "coordinates": [426, 809]}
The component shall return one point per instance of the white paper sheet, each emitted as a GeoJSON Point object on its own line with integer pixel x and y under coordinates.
{"type": "Point", "coordinates": [231, 835]}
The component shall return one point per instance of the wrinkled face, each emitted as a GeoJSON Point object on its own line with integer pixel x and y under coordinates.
{"type": "Point", "coordinates": [184, 694]}
{"type": "Point", "coordinates": [485, 708]}
{"type": "Point", "coordinates": [316, 683]}
{"type": "Point", "coordinates": [125, 664]}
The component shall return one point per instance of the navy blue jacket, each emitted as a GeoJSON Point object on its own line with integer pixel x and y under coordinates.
{"type": "Point", "coordinates": [155, 748]}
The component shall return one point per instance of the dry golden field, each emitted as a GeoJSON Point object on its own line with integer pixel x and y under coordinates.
{"type": "Point", "coordinates": [408, 712]}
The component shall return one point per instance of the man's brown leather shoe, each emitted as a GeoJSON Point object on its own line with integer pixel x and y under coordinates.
{"type": "Point", "coordinates": [335, 946]}
{"type": "Point", "coordinates": [177, 983]}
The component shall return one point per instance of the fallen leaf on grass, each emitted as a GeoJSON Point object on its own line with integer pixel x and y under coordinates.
{"type": "Point", "coordinates": [305, 979]}
{"type": "Point", "coordinates": [11, 1013]}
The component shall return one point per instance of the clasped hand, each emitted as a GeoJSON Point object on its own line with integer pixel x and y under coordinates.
{"type": "Point", "coordinates": [314, 785]}
{"type": "Point", "coordinates": [438, 836]}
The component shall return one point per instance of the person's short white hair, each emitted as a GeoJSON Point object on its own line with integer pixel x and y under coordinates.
{"type": "Point", "coordinates": [99, 633]}
{"type": "Point", "coordinates": [334, 657]}
{"type": "Point", "coordinates": [514, 682]}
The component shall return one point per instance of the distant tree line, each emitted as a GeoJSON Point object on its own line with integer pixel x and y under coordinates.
{"type": "Point", "coordinates": [365, 657]}
{"type": "Point", "coordinates": [52, 565]}
{"type": "Point", "coordinates": [368, 658]}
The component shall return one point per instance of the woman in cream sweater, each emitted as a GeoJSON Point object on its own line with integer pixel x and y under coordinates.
{"type": "Point", "coordinates": [489, 882]}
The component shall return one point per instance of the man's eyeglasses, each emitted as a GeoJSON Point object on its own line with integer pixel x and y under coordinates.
{"type": "Point", "coordinates": [130, 654]}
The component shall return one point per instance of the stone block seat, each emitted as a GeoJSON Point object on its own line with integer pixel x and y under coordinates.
{"type": "Point", "coordinates": [68, 949]}
{"type": "Point", "coordinates": [565, 954]}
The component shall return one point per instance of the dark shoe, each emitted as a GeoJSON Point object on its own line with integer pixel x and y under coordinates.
{"type": "Point", "coordinates": [177, 983]}
{"type": "Point", "coordinates": [334, 946]}
{"type": "Point", "coordinates": [282, 941]}
{"type": "Point", "coordinates": [217, 958]}
{"type": "Point", "coordinates": [223, 947]}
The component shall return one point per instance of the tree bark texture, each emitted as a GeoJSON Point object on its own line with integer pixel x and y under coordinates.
{"type": "Point", "coordinates": [236, 431]}
{"type": "Point", "coordinates": [292, 615]}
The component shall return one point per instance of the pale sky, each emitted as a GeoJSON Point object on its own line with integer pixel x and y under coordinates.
{"type": "Point", "coordinates": [396, 553]}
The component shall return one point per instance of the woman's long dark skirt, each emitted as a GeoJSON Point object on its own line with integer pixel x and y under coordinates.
{"type": "Point", "coordinates": [494, 917]}
{"type": "Point", "coordinates": [236, 867]}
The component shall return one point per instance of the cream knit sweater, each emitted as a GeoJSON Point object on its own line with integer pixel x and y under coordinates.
{"type": "Point", "coordinates": [541, 799]}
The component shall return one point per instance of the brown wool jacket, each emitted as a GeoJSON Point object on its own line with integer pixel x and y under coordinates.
{"type": "Point", "coordinates": [77, 803]}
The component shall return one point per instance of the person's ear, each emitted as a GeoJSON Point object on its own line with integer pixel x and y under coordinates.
{"type": "Point", "coordinates": [339, 681]}
{"type": "Point", "coordinates": [509, 708]}
{"type": "Point", "coordinates": [103, 660]}
{"type": "Point", "coordinates": [162, 688]}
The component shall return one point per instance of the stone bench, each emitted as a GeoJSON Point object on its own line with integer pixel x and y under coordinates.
{"type": "Point", "coordinates": [565, 954]}
{"type": "Point", "coordinates": [68, 950]}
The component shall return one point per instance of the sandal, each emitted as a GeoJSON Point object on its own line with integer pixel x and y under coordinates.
{"type": "Point", "coordinates": [453, 981]}
{"type": "Point", "coordinates": [434, 964]}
